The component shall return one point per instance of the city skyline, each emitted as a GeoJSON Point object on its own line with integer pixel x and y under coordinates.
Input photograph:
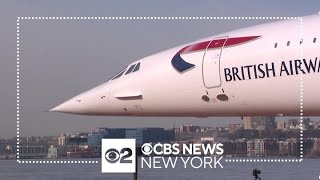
{"type": "Point", "coordinates": [260, 123]}
{"type": "Point", "coordinates": [258, 136]}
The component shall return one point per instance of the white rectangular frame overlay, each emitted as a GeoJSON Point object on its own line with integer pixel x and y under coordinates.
{"type": "Point", "coordinates": [19, 19]}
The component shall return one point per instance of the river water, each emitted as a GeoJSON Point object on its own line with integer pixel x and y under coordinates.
{"type": "Point", "coordinates": [308, 169]}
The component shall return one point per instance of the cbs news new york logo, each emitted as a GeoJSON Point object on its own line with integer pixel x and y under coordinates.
{"type": "Point", "coordinates": [118, 155]}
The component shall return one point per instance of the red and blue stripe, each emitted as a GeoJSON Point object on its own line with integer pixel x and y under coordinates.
{"type": "Point", "coordinates": [181, 65]}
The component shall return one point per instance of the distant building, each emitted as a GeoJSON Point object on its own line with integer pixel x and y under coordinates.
{"type": "Point", "coordinates": [7, 150]}
{"type": "Point", "coordinates": [65, 140]}
{"type": "Point", "coordinates": [306, 123]}
{"type": "Point", "coordinates": [62, 140]}
{"type": "Point", "coordinates": [248, 122]}
{"type": "Point", "coordinates": [234, 127]}
{"type": "Point", "coordinates": [316, 125]}
{"type": "Point", "coordinates": [296, 123]}
{"type": "Point", "coordinates": [74, 151]}
{"type": "Point", "coordinates": [52, 152]}
{"type": "Point", "coordinates": [256, 148]}
{"type": "Point", "coordinates": [32, 139]}
{"type": "Point", "coordinates": [142, 135]}
{"type": "Point", "coordinates": [202, 139]}
{"type": "Point", "coordinates": [288, 147]}
{"type": "Point", "coordinates": [316, 144]}
{"type": "Point", "coordinates": [236, 148]}
{"type": "Point", "coordinates": [33, 151]}
{"type": "Point", "coordinates": [94, 138]}
{"type": "Point", "coordinates": [282, 125]}
{"type": "Point", "coordinates": [246, 133]}
{"type": "Point", "coordinates": [259, 122]}
{"type": "Point", "coordinates": [189, 128]}
{"type": "Point", "coordinates": [271, 147]}
{"type": "Point", "coordinates": [152, 135]}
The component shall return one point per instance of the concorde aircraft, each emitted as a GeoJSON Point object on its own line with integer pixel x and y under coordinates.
{"type": "Point", "coordinates": [268, 69]}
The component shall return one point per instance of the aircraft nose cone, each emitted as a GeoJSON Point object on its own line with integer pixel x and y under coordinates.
{"type": "Point", "coordinates": [70, 106]}
{"type": "Point", "coordinates": [91, 102]}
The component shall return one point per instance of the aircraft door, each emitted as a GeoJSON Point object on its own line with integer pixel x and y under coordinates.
{"type": "Point", "coordinates": [211, 63]}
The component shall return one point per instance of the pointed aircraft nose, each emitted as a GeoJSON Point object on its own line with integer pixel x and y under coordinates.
{"type": "Point", "coordinates": [69, 106]}
{"type": "Point", "coordinates": [88, 103]}
{"type": "Point", "coordinates": [83, 104]}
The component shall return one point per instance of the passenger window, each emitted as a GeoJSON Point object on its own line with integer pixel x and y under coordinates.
{"type": "Point", "coordinates": [136, 68]}
{"type": "Point", "coordinates": [314, 40]}
{"type": "Point", "coordinates": [275, 45]}
{"type": "Point", "coordinates": [130, 69]}
{"type": "Point", "coordinates": [288, 43]}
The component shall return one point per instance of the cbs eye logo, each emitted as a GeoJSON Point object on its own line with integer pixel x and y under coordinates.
{"type": "Point", "coordinates": [113, 155]}
{"type": "Point", "coordinates": [118, 155]}
{"type": "Point", "coordinates": [146, 149]}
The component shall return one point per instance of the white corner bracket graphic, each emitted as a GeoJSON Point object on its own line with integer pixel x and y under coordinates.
{"type": "Point", "coordinates": [149, 18]}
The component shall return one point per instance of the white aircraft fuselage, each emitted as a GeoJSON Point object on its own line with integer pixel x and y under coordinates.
{"type": "Point", "coordinates": [269, 69]}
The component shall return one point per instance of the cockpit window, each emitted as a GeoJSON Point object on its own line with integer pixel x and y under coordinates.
{"type": "Point", "coordinates": [119, 74]}
{"type": "Point", "coordinates": [130, 68]}
{"type": "Point", "coordinates": [136, 68]}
